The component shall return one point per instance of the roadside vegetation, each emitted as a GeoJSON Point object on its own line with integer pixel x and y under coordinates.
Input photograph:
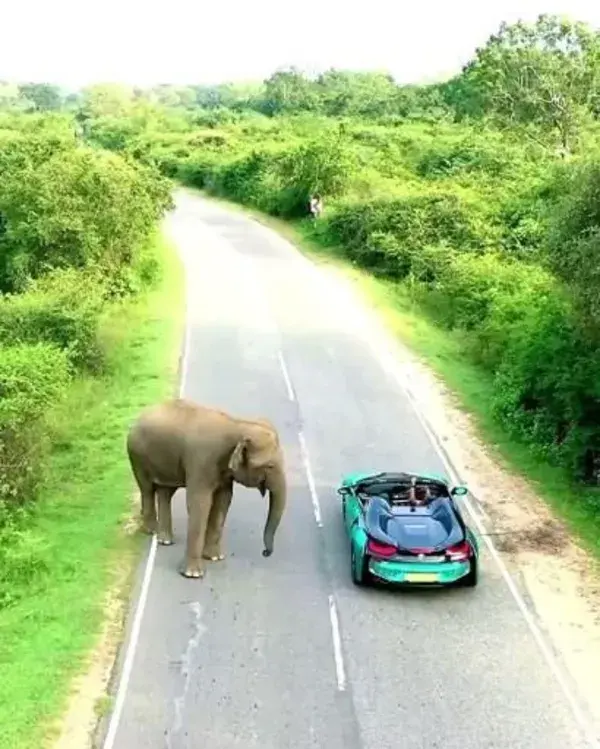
{"type": "Point", "coordinates": [477, 199]}
{"type": "Point", "coordinates": [470, 210]}
{"type": "Point", "coordinates": [80, 253]}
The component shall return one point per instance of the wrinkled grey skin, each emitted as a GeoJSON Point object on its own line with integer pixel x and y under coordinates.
{"type": "Point", "coordinates": [182, 444]}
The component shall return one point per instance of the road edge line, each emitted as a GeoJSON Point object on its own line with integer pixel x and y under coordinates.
{"type": "Point", "coordinates": [340, 671]}
{"type": "Point", "coordinates": [286, 377]}
{"type": "Point", "coordinates": [134, 637]}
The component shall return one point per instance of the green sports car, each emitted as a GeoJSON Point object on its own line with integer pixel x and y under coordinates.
{"type": "Point", "coordinates": [407, 529]}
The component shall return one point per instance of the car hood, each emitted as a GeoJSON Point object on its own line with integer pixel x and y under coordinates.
{"type": "Point", "coordinates": [431, 527]}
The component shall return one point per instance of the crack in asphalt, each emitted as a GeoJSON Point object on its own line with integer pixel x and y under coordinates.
{"type": "Point", "coordinates": [198, 629]}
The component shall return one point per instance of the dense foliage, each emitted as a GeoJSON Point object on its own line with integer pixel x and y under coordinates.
{"type": "Point", "coordinates": [480, 193]}
{"type": "Point", "coordinates": [75, 227]}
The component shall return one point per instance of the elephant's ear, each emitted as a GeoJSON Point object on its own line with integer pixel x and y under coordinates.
{"type": "Point", "coordinates": [239, 457]}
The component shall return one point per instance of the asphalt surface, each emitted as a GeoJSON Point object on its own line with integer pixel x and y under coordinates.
{"type": "Point", "coordinates": [248, 657]}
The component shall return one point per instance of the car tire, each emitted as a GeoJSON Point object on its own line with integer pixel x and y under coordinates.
{"type": "Point", "coordinates": [365, 577]}
{"type": "Point", "coordinates": [471, 578]}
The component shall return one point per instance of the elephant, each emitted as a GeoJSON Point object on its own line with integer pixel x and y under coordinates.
{"type": "Point", "coordinates": [182, 444]}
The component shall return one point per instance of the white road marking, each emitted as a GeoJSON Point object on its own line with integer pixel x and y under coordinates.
{"type": "Point", "coordinates": [311, 482]}
{"type": "Point", "coordinates": [184, 358]}
{"type": "Point", "coordinates": [340, 671]}
{"type": "Point", "coordinates": [115, 717]}
{"type": "Point", "coordinates": [131, 649]}
{"type": "Point", "coordinates": [286, 377]}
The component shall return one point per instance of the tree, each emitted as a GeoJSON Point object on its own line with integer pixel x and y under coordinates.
{"type": "Point", "coordinates": [288, 91]}
{"type": "Point", "coordinates": [573, 244]}
{"type": "Point", "coordinates": [343, 92]}
{"type": "Point", "coordinates": [9, 96]}
{"type": "Point", "coordinates": [107, 99]}
{"type": "Point", "coordinates": [426, 102]}
{"type": "Point", "coordinates": [545, 74]}
{"type": "Point", "coordinates": [44, 96]}
{"type": "Point", "coordinates": [77, 208]}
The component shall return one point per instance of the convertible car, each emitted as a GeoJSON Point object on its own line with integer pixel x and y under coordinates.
{"type": "Point", "coordinates": [407, 529]}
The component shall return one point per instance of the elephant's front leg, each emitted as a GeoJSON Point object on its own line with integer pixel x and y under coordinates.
{"type": "Point", "coordinates": [216, 521]}
{"type": "Point", "coordinates": [199, 502]}
{"type": "Point", "coordinates": [164, 495]}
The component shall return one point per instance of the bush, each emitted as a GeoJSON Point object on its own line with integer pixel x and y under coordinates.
{"type": "Point", "coordinates": [384, 234]}
{"type": "Point", "coordinates": [28, 143]}
{"type": "Point", "coordinates": [241, 179]}
{"type": "Point", "coordinates": [80, 209]}
{"type": "Point", "coordinates": [523, 329]}
{"type": "Point", "coordinates": [75, 231]}
{"type": "Point", "coordinates": [322, 166]}
{"type": "Point", "coordinates": [547, 387]}
{"type": "Point", "coordinates": [472, 287]}
{"type": "Point", "coordinates": [464, 155]}
{"type": "Point", "coordinates": [63, 309]}
{"type": "Point", "coordinates": [33, 379]}
{"type": "Point", "coordinates": [573, 246]}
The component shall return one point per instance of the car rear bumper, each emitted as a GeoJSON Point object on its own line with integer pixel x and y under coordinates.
{"type": "Point", "coordinates": [415, 573]}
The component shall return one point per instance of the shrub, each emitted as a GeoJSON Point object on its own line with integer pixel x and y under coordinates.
{"type": "Point", "coordinates": [405, 225]}
{"type": "Point", "coordinates": [547, 387]}
{"type": "Point", "coordinates": [323, 166]}
{"type": "Point", "coordinates": [80, 209]}
{"type": "Point", "coordinates": [241, 178]}
{"type": "Point", "coordinates": [524, 330]}
{"type": "Point", "coordinates": [464, 155]}
{"type": "Point", "coordinates": [33, 378]}
{"type": "Point", "coordinates": [30, 146]}
{"type": "Point", "coordinates": [471, 287]}
{"type": "Point", "coordinates": [63, 309]}
{"type": "Point", "coordinates": [573, 246]}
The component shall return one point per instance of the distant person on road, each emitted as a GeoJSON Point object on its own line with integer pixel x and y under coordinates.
{"type": "Point", "coordinates": [315, 206]}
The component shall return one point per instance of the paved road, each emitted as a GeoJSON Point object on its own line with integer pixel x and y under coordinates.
{"type": "Point", "coordinates": [250, 657]}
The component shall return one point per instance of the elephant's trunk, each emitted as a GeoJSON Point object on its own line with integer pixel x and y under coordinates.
{"type": "Point", "coordinates": [277, 501]}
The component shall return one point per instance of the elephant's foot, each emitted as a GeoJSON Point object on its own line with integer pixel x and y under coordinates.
{"type": "Point", "coordinates": [192, 569]}
{"type": "Point", "coordinates": [213, 554]}
{"type": "Point", "coordinates": [148, 527]}
{"type": "Point", "coordinates": [165, 540]}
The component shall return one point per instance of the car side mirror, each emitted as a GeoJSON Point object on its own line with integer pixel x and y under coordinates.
{"type": "Point", "coordinates": [459, 491]}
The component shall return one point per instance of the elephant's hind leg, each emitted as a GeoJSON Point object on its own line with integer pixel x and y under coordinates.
{"type": "Point", "coordinates": [148, 501]}
{"type": "Point", "coordinates": [216, 522]}
{"type": "Point", "coordinates": [164, 494]}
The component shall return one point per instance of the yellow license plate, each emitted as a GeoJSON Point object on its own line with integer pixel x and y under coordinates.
{"type": "Point", "coordinates": [421, 577]}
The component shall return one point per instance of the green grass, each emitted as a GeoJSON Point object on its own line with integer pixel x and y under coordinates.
{"type": "Point", "coordinates": [444, 353]}
{"type": "Point", "coordinates": [75, 545]}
